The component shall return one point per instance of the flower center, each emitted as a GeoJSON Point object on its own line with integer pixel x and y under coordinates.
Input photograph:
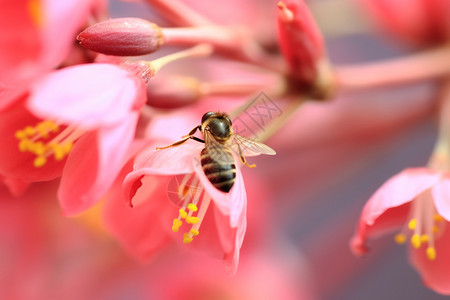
{"type": "Point", "coordinates": [47, 139]}
{"type": "Point", "coordinates": [424, 225]}
{"type": "Point", "coordinates": [195, 202]}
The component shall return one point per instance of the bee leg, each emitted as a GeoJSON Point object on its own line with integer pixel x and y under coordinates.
{"type": "Point", "coordinates": [244, 160]}
{"type": "Point", "coordinates": [184, 140]}
{"type": "Point", "coordinates": [192, 131]}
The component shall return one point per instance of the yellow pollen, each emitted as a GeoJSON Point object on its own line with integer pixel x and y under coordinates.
{"type": "Point", "coordinates": [35, 11]}
{"type": "Point", "coordinates": [438, 218]}
{"type": "Point", "coordinates": [435, 229]}
{"type": "Point", "coordinates": [424, 238]}
{"type": "Point", "coordinates": [34, 140]}
{"type": "Point", "coordinates": [192, 220]}
{"type": "Point", "coordinates": [192, 207]}
{"type": "Point", "coordinates": [400, 238]}
{"type": "Point", "coordinates": [176, 225]}
{"type": "Point", "coordinates": [415, 241]}
{"type": "Point", "coordinates": [431, 253]}
{"type": "Point", "coordinates": [183, 213]}
{"type": "Point", "coordinates": [187, 239]}
{"type": "Point", "coordinates": [39, 161]}
{"type": "Point", "coordinates": [412, 224]}
{"type": "Point", "coordinates": [24, 145]}
{"type": "Point", "coordinates": [194, 232]}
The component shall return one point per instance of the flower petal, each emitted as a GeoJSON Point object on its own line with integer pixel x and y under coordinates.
{"type": "Point", "coordinates": [441, 195]}
{"type": "Point", "coordinates": [388, 208]}
{"type": "Point", "coordinates": [171, 161]}
{"type": "Point", "coordinates": [90, 96]}
{"type": "Point", "coordinates": [435, 273]}
{"type": "Point", "coordinates": [93, 165]}
{"type": "Point", "coordinates": [398, 190]}
{"type": "Point", "coordinates": [140, 230]}
{"type": "Point", "coordinates": [231, 259]}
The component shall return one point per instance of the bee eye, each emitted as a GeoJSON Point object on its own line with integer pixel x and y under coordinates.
{"type": "Point", "coordinates": [207, 116]}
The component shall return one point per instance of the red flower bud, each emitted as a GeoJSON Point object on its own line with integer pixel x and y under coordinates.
{"type": "Point", "coordinates": [302, 45]}
{"type": "Point", "coordinates": [122, 37]}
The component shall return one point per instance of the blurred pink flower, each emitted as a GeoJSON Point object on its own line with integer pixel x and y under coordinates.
{"type": "Point", "coordinates": [94, 109]}
{"type": "Point", "coordinates": [36, 35]}
{"type": "Point", "coordinates": [262, 275]}
{"type": "Point", "coordinates": [417, 21]}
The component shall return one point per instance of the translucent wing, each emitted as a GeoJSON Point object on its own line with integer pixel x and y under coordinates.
{"type": "Point", "coordinates": [249, 147]}
{"type": "Point", "coordinates": [216, 150]}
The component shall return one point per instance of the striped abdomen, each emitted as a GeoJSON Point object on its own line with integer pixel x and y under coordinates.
{"type": "Point", "coordinates": [221, 175]}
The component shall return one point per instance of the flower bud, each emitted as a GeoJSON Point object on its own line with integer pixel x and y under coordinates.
{"type": "Point", "coordinates": [122, 37]}
{"type": "Point", "coordinates": [302, 46]}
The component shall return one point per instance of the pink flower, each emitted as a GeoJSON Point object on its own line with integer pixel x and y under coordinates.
{"type": "Point", "coordinates": [36, 35]}
{"type": "Point", "coordinates": [263, 274]}
{"type": "Point", "coordinates": [416, 198]}
{"type": "Point", "coordinates": [417, 21]}
{"type": "Point", "coordinates": [212, 220]}
{"type": "Point", "coordinates": [81, 125]}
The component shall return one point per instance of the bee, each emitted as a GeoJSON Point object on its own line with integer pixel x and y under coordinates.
{"type": "Point", "coordinates": [221, 142]}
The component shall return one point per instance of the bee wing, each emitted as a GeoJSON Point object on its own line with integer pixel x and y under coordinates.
{"type": "Point", "coordinates": [216, 150]}
{"type": "Point", "coordinates": [249, 147]}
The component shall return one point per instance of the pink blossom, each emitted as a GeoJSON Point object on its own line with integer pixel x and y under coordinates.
{"type": "Point", "coordinates": [417, 21]}
{"type": "Point", "coordinates": [219, 225]}
{"type": "Point", "coordinates": [418, 198]}
{"type": "Point", "coordinates": [36, 35]}
{"type": "Point", "coordinates": [263, 274]}
{"type": "Point", "coordinates": [90, 117]}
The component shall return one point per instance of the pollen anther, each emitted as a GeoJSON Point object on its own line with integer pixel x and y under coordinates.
{"type": "Point", "coordinates": [33, 140]}
{"type": "Point", "coordinates": [192, 220]}
{"type": "Point", "coordinates": [416, 241]}
{"type": "Point", "coordinates": [176, 225]}
{"type": "Point", "coordinates": [412, 224]}
{"type": "Point", "coordinates": [431, 253]}
{"type": "Point", "coordinates": [400, 238]}
{"type": "Point", "coordinates": [192, 207]}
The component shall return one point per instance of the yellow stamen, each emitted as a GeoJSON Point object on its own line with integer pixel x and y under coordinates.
{"type": "Point", "coordinates": [412, 224]}
{"type": "Point", "coordinates": [400, 238]}
{"type": "Point", "coordinates": [438, 218]}
{"type": "Point", "coordinates": [176, 225]}
{"type": "Point", "coordinates": [192, 207]}
{"type": "Point", "coordinates": [415, 241]}
{"type": "Point", "coordinates": [183, 213]}
{"type": "Point", "coordinates": [36, 12]}
{"type": "Point", "coordinates": [34, 140]}
{"type": "Point", "coordinates": [431, 253]}
{"type": "Point", "coordinates": [424, 238]}
{"type": "Point", "coordinates": [24, 145]}
{"type": "Point", "coordinates": [435, 229]}
{"type": "Point", "coordinates": [39, 161]}
{"type": "Point", "coordinates": [194, 232]}
{"type": "Point", "coordinates": [192, 220]}
{"type": "Point", "coordinates": [187, 239]}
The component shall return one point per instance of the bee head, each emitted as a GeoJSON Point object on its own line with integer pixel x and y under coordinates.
{"type": "Point", "coordinates": [219, 124]}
